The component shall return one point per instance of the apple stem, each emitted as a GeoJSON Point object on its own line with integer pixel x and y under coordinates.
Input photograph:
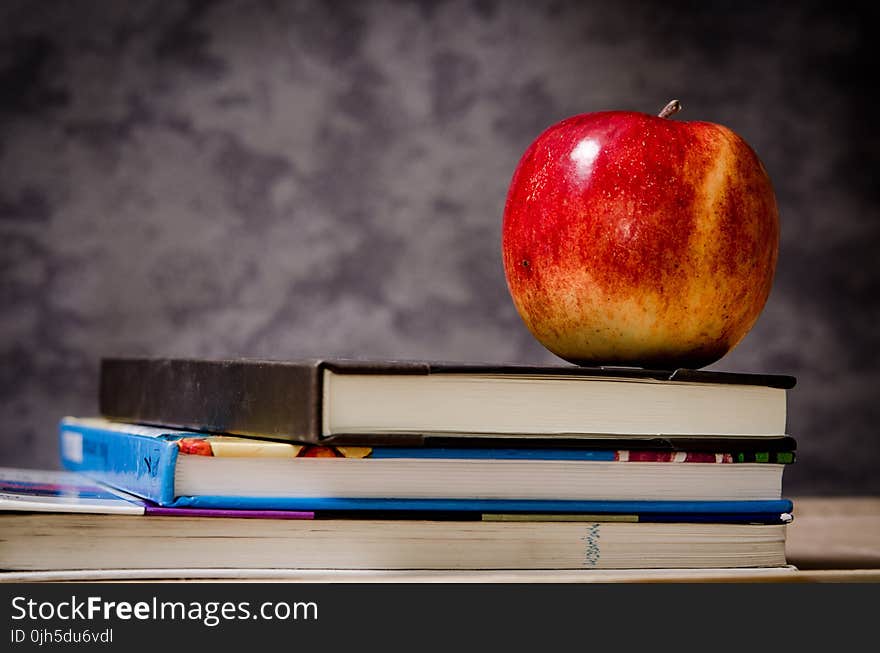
{"type": "Point", "coordinates": [673, 107]}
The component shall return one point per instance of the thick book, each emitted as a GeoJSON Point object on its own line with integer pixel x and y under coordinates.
{"type": "Point", "coordinates": [423, 403]}
{"type": "Point", "coordinates": [189, 469]}
{"type": "Point", "coordinates": [57, 541]}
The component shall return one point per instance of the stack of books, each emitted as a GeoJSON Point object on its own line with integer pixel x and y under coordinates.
{"type": "Point", "coordinates": [335, 464]}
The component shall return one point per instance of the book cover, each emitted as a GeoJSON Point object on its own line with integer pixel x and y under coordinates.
{"type": "Point", "coordinates": [39, 490]}
{"type": "Point", "coordinates": [146, 461]}
{"type": "Point", "coordinates": [34, 490]}
{"type": "Point", "coordinates": [294, 400]}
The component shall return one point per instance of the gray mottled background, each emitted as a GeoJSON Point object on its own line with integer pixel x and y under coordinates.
{"type": "Point", "coordinates": [298, 179]}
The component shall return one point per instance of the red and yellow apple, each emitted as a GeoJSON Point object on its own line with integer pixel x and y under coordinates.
{"type": "Point", "coordinates": [639, 240]}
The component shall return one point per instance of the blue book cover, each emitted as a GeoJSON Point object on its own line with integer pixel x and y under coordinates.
{"type": "Point", "coordinates": [137, 459]}
{"type": "Point", "coordinates": [143, 461]}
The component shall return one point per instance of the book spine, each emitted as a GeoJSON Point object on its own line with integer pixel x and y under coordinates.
{"type": "Point", "coordinates": [136, 463]}
{"type": "Point", "coordinates": [280, 401]}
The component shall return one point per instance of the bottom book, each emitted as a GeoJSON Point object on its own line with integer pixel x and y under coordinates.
{"type": "Point", "coordinates": [54, 541]}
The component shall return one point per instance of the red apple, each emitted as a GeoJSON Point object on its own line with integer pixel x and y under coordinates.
{"type": "Point", "coordinates": [638, 240]}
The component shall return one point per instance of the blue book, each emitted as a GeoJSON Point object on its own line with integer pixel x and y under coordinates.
{"type": "Point", "coordinates": [177, 468]}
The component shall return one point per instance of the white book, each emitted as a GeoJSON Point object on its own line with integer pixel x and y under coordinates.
{"type": "Point", "coordinates": [57, 541]}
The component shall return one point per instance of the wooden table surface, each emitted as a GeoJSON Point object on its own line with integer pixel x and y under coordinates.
{"type": "Point", "coordinates": [835, 533]}
{"type": "Point", "coordinates": [830, 540]}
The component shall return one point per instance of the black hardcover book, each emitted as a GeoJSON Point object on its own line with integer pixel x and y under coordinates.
{"type": "Point", "coordinates": [409, 403]}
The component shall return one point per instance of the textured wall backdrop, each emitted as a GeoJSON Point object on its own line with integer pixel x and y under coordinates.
{"type": "Point", "coordinates": [297, 179]}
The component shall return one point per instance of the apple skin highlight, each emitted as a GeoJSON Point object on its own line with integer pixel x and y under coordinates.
{"type": "Point", "coordinates": [630, 239]}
